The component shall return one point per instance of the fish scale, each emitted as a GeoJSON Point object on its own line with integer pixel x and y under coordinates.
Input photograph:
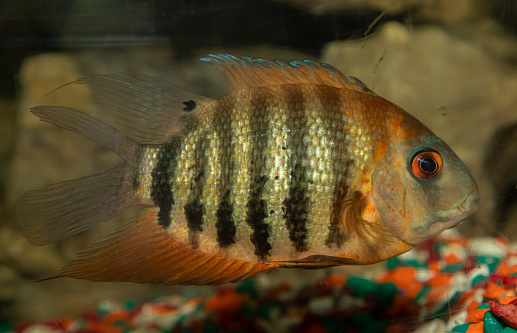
{"type": "Point", "coordinates": [297, 166]}
{"type": "Point", "coordinates": [291, 203]}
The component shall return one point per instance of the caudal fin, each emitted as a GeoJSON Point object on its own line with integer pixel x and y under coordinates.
{"type": "Point", "coordinates": [146, 109]}
{"type": "Point", "coordinates": [65, 209]}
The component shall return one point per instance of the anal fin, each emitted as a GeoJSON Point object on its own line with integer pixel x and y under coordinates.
{"type": "Point", "coordinates": [142, 251]}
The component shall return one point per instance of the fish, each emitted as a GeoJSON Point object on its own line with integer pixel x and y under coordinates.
{"type": "Point", "coordinates": [297, 166]}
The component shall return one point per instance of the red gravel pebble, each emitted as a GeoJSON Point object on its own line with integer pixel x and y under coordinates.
{"type": "Point", "coordinates": [508, 312]}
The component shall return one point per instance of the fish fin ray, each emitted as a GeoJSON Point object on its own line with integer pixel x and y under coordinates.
{"type": "Point", "coordinates": [146, 108]}
{"type": "Point", "coordinates": [246, 72]}
{"type": "Point", "coordinates": [141, 251]}
{"type": "Point", "coordinates": [89, 127]}
{"type": "Point", "coordinates": [67, 208]}
{"type": "Point", "coordinates": [318, 261]}
{"type": "Point", "coordinates": [61, 210]}
{"type": "Point", "coordinates": [372, 233]}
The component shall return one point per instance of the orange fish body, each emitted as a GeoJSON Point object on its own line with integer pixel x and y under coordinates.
{"type": "Point", "coordinates": [297, 166]}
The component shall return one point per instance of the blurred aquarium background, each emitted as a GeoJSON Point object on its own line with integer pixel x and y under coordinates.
{"type": "Point", "coordinates": [452, 64]}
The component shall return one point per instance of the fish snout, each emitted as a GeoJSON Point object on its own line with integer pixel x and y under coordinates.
{"type": "Point", "coordinates": [471, 203]}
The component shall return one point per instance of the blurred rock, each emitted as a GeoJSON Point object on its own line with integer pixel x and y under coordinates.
{"type": "Point", "coordinates": [40, 145]}
{"type": "Point", "coordinates": [444, 11]}
{"type": "Point", "coordinates": [27, 260]}
{"type": "Point", "coordinates": [504, 11]}
{"type": "Point", "coordinates": [8, 131]}
{"type": "Point", "coordinates": [35, 262]}
{"type": "Point", "coordinates": [453, 85]}
{"type": "Point", "coordinates": [8, 283]}
{"type": "Point", "coordinates": [500, 162]}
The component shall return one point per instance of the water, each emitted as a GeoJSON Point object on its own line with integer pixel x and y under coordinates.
{"type": "Point", "coordinates": [452, 65]}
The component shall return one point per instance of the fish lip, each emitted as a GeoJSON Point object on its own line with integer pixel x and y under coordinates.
{"type": "Point", "coordinates": [465, 208]}
{"type": "Point", "coordinates": [471, 203]}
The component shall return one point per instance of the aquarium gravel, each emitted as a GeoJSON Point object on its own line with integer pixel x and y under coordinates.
{"type": "Point", "coordinates": [447, 284]}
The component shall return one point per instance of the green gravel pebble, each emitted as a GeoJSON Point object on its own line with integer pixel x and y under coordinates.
{"type": "Point", "coordinates": [492, 323]}
{"type": "Point", "coordinates": [425, 290]}
{"type": "Point", "coordinates": [438, 247]}
{"type": "Point", "coordinates": [452, 268]}
{"type": "Point", "coordinates": [483, 306]}
{"type": "Point", "coordinates": [385, 293]}
{"type": "Point", "coordinates": [397, 262]}
{"type": "Point", "coordinates": [5, 327]}
{"type": "Point", "coordinates": [490, 261]}
{"type": "Point", "coordinates": [265, 309]}
{"type": "Point", "coordinates": [361, 317]}
{"type": "Point", "coordinates": [416, 263]}
{"type": "Point", "coordinates": [361, 287]}
{"type": "Point", "coordinates": [479, 278]}
{"type": "Point", "coordinates": [248, 287]}
{"type": "Point", "coordinates": [460, 328]}
{"type": "Point", "coordinates": [130, 304]}
{"type": "Point", "coordinates": [392, 263]}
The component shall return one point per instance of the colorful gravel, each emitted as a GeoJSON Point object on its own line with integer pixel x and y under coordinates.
{"type": "Point", "coordinates": [449, 284]}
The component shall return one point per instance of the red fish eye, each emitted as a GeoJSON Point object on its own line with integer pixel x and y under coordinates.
{"type": "Point", "coordinates": [426, 164]}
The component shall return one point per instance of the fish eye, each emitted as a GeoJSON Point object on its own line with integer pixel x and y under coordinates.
{"type": "Point", "coordinates": [426, 164]}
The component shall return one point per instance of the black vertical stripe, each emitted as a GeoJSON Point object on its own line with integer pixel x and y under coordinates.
{"type": "Point", "coordinates": [226, 229]}
{"type": "Point", "coordinates": [336, 235]}
{"type": "Point", "coordinates": [296, 205]}
{"type": "Point", "coordinates": [194, 209]}
{"type": "Point", "coordinates": [256, 207]}
{"type": "Point", "coordinates": [255, 216]}
{"type": "Point", "coordinates": [336, 127]}
{"type": "Point", "coordinates": [162, 178]}
{"type": "Point", "coordinates": [225, 224]}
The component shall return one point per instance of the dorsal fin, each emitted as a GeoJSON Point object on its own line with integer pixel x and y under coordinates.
{"type": "Point", "coordinates": [146, 108]}
{"type": "Point", "coordinates": [247, 72]}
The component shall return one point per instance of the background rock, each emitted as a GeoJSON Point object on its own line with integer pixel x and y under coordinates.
{"type": "Point", "coordinates": [443, 11]}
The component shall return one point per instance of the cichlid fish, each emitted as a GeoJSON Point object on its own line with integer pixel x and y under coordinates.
{"type": "Point", "coordinates": [297, 166]}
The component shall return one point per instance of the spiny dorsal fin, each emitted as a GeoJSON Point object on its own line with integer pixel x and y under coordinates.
{"type": "Point", "coordinates": [247, 72]}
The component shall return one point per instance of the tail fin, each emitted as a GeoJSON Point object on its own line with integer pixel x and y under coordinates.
{"type": "Point", "coordinates": [146, 109]}
{"type": "Point", "coordinates": [65, 209]}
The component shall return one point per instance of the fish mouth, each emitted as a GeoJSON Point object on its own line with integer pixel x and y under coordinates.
{"type": "Point", "coordinates": [471, 203]}
{"type": "Point", "coordinates": [448, 219]}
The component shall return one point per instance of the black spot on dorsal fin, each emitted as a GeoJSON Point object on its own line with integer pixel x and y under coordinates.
{"type": "Point", "coordinates": [189, 105]}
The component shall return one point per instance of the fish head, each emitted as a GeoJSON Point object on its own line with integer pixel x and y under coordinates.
{"type": "Point", "coordinates": [420, 187]}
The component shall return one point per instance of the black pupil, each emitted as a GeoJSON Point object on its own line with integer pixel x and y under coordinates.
{"type": "Point", "coordinates": [428, 165]}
